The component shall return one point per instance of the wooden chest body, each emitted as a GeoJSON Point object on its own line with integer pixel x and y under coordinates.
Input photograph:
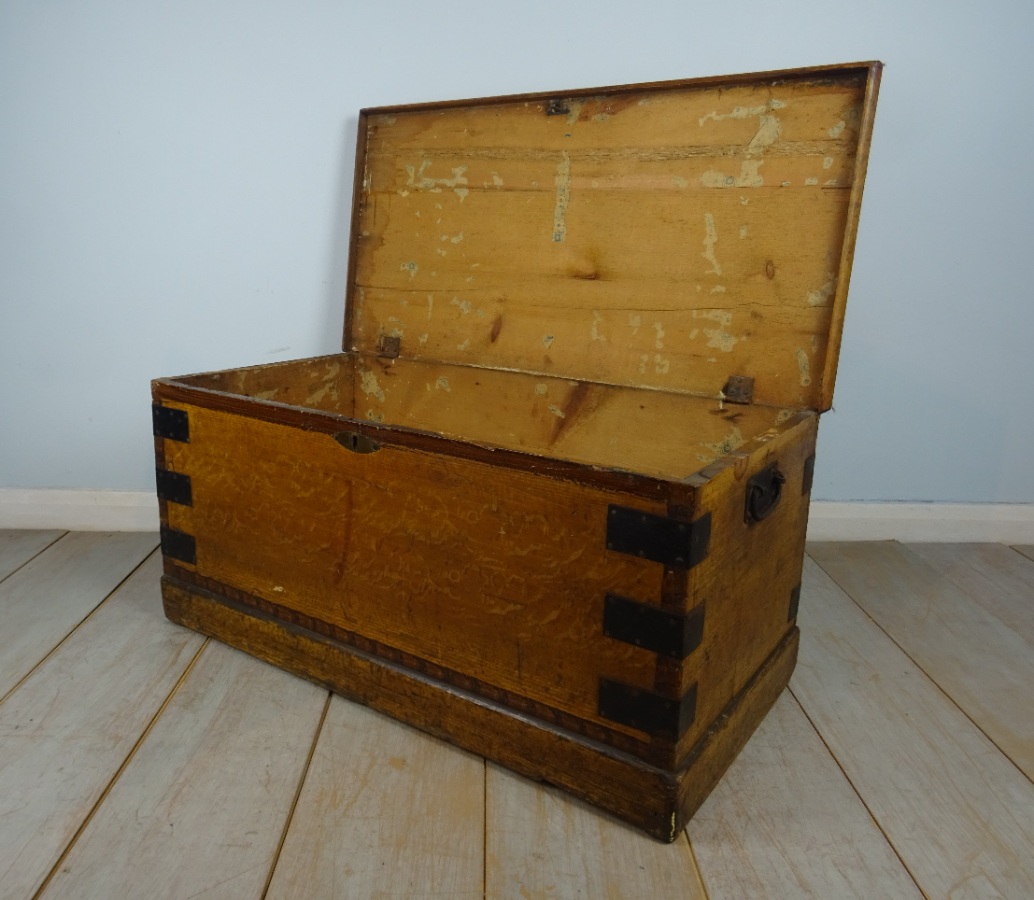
{"type": "Point", "coordinates": [550, 501]}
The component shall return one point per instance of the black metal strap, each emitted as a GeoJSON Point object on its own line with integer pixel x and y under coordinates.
{"type": "Point", "coordinates": [179, 545]}
{"type": "Point", "coordinates": [675, 543]}
{"type": "Point", "coordinates": [671, 634]}
{"type": "Point", "coordinates": [170, 423]}
{"type": "Point", "coordinates": [646, 711]}
{"type": "Point", "coordinates": [174, 487]}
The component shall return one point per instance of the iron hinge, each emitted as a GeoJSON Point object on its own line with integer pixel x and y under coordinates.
{"type": "Point", "coordinates": [675, 635]}
{"type": "Point", "coordinates": [675, 543]}
{"type": "Point", "coordinates": [739, 389]}
{"type": "Point", "coordinates": [389, 346]}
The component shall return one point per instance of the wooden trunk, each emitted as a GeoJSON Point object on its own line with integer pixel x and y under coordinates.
{"type": "Point", "coordinates": [550, 501]}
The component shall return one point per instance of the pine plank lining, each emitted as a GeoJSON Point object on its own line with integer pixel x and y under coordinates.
{"type": "Point", "coordinates": [867, 780]}
{"type": "Point", "coordinates": [509, 231]}
{"type": "Point", "coordinates": [556, 418]}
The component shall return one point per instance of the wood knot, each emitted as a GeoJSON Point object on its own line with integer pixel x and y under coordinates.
{"type": "Point", "coordinates": [770, 269]}
{"type": "Point", "coordinates": [585, 270]}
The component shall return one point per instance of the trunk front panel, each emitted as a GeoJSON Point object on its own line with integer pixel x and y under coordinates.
{"type": "Point", "coordinates": [498, 574]}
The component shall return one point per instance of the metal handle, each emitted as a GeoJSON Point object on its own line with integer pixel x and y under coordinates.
{"type": "Point", "coordinates": [763, 492]}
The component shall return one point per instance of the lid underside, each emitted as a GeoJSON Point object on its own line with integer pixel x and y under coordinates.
{"type": "Point", "coordinates": [665, 236]}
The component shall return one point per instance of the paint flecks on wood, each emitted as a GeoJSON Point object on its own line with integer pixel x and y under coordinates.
{"type": "Point", "coordinates": [710, 239]}
{"type": "Point", "coordinates": [562, 180]}
{"type": "Point", "coordinates": [418, 180]}
{"type": "Point", "coordinates": [804, 366]}
{"type": "Point", "coordinates": [370, 386]}
{"type": "Point", "coordinates": [671, 188]}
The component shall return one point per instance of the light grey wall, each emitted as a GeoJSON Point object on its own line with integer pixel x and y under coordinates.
{"type": "Point", "coordinates": [175, 186]}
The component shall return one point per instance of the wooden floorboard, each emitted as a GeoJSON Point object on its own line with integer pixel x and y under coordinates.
{"type": "Point", "coordinates": [1026, 549]}
{"type": "Point", "coordinates": [981, 662]}
{"type": "Point", "coordinates": [137, 760]}
{"type": "Point", "coordinates": [18, 547]}
{"type": "Point", "coordinates": [51, 594]}
{"type": "Point", "coordinates": [958, 813]}
{"type": "Point", "coordinates": [386, 811]}
{"type": "Point", "coordinates": [993, 575]}
{"type": "Point", "coordinates": [68, 728]}
{"type": "Point", "coordinates": [543, 843]}
{"type": "Point", "coordinates": [786, 822]}
{"type": "Point", "coordinates": [201, 807]}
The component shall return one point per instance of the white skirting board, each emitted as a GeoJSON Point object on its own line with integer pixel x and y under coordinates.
{"type": "Point", "coordinates": [1004, 523]}
{"type": "Point", "coordinates": [1008, 523]}
{"type": "Point", "coordinates": [78, 510]}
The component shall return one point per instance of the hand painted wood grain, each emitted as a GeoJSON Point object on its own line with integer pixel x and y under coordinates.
{"type": "Point", "coordinates": [18, 547]}
{"type": "Point", "coordinates": [785, 822]}
{"type": "Point", "coordinates": [307, 525]}
{"type": "Point", "coordinates": [67, 729]}
{"type": "Point", "coordinates": [959, 814]}
{"type": "Point", "coordinates": [612, 780]}
{"type": "Point", "coordinates": [385, 811]}
{"type": "Point", "coordinates": [200, 809]}
{"type": "Point", "coordinates": [992, 575]}
{"type": "Point", "coordinates": [727, 735]}
{"type": "Point", "coordinates": [985, 665]}
{"type": "Point", "coordinates": [543, 844]}
{"type": "Point", "coordinates": [50, 595]}
{"type": "Point", "coordinates": [564, 224]}
{"type": "Point", "coordinates": [498, 573]}
{"type": "Point", "coordinates": [751, 569]}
